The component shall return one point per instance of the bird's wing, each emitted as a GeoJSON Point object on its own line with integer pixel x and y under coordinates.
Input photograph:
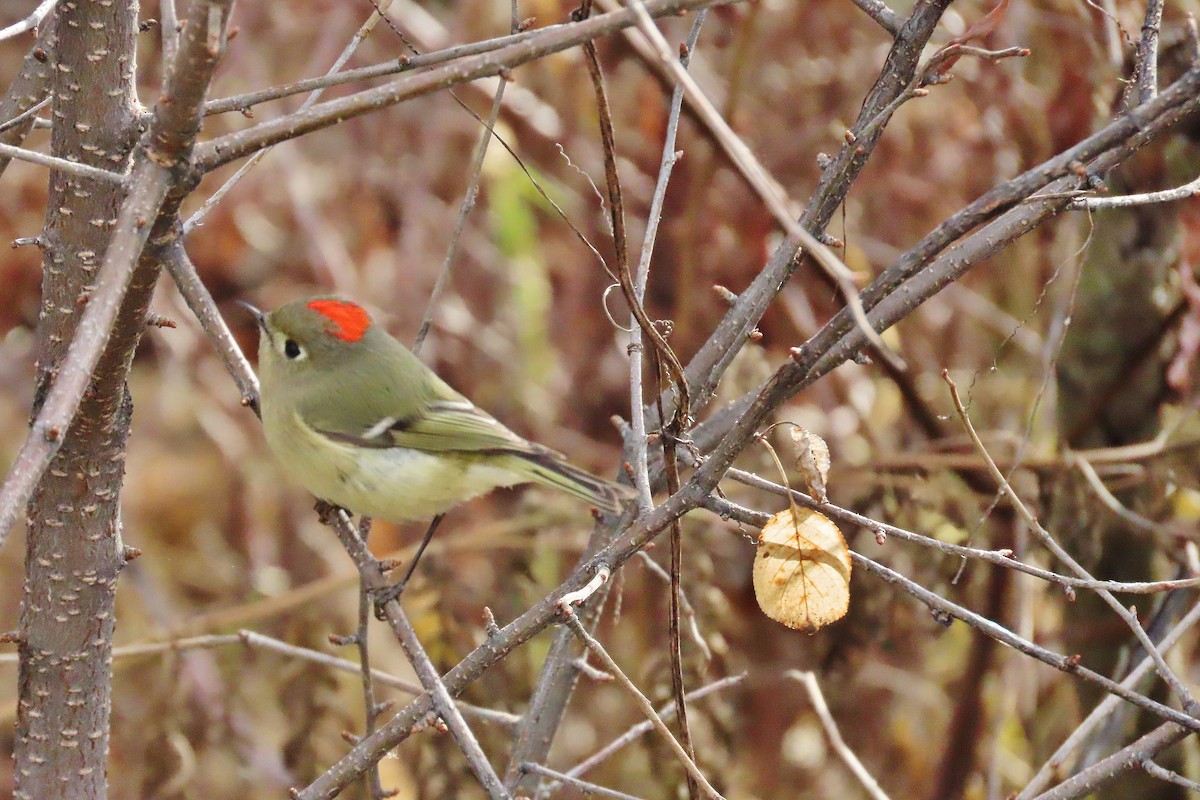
{"type": "Point", "coordinates": [444, 426]}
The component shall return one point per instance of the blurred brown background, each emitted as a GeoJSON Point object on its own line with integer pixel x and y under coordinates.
{"type": "Point", "coordinates": [366, 209]}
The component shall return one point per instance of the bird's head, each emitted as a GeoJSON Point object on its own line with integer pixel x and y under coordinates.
{"type": "Point", "coordinates": [311, 336]}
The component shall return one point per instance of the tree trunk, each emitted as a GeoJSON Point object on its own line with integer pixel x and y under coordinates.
{"type": "Point", "coordinates": [74, 545]}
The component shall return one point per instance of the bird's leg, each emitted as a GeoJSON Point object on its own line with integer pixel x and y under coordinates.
{"type": "Point", "coordinates": [389, 593]}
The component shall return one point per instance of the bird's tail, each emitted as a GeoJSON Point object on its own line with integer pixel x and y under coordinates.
{"type": "Point", "coordinates": [550, 471]}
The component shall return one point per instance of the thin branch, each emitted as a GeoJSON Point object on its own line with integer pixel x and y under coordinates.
{"type": "Point", "coordinates": [1146, 61]}
{"type": "Point", "coordinates": [643, 703]}
{"type": "Point", "coordinates": [1003, 558]}
{"type": "Point", "coordinates": [809, 681]}
{"type": "Point", "coordinates": [363, 31]}
{"type": "Point", "coordinates": [29, 23]}
{"type": "Point", "coordinates": [264, 642]}
{"type": "Point", "coordinates": [770, 191]}
{"type": "Point", "coordinates": [1169, 776]}
{"type": "Point", "coordinates": [30, 87]}
{"type": "Point", "coordinates": [361, 640]}
{"type": "Point", "coordinates": [1130, 619]}
{"type": "Point", "coordinates": [464, 209]}
{"type": "Point", "coordinates": [242, 102]}
{"type": "Point", "coordinates": [1104, 709]}
{"type": "Point", "coordinates": [666, 711]}
{"type": "Point", "coordinates": [1109, 459]}
{"type": "Point", "coordinates": [1124, 760]}
{"type": "Point", "coordinates": [685, 605]}
{"type": "Point", "coordinates": [878, 10]}
{"type": "Point", "coordinates": [169, 30]}
{"type": "Point", "coordinates": [589, 789]}
{"type": "Point", "coordinates": [148, 184]}
{"type": "Point", "coordinates": [540, 43]}
{"type": "Point", "coordinates": [198, 299]}
{"type": "Point", "coordinates": [1068, 664]}
{"type": "Point", "coordinates": [61, 164]}
{"type": "Point", "coordinates": [254, 639]}
{"type": "Point", "coordinates": [1190, 189]}
{"type": "Point", "coordinates": [616, 204]}
{"type": "Point", "coordinates": [1111, 502]}
{"type": "Point", "coordinates": [935, 70]}
{"type": "Point", "coordinates": [661, 355]}
{"type": "Point", "coordinates": [24, 117]}
{"type": "Point", "coordinates": [373, 577]}
{"type": "Point", "coordinates": [639, 445]}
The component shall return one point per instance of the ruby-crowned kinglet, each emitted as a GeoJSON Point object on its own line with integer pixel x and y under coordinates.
{"type": "Point", "coordinates": [354, 416]}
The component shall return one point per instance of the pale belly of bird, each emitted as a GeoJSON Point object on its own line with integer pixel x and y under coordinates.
{"type": "Point", "coordinates": [393, 483]}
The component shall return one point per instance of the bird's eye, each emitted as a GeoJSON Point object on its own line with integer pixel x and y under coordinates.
{"type": "Point", "coordinates": [291, 349]}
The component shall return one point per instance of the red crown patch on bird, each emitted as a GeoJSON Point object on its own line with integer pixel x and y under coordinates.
{"type": "Point", "coordinates": [350, 320]}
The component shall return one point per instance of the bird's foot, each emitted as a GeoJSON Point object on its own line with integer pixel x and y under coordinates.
{"type": "Point", "coordinates": [386, 595]}
{"type": "Point", "coordinates": [327, 512]}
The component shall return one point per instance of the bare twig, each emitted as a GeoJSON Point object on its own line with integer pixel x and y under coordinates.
{"type": "Point", "coordinates": [1169, 776]}
{"type": "Point", "coordinates": [662, 355]}
{"type": "Point", "coordinates": [1145, 70]}
{"type": "Point", "coordinates": [647, 708]}
{"type": "Point", "coordinates": [539, 44]}
{"type": "Point", "coordinates": [169, 31]}
{"type": "Point", "coordinates": [685, 605]}
{"type": "Point", "coordinates": [1130, 619]}
{"type": "Point", "coordinates": [261, 641]}
{"type": "Point", "coordinates": [1111, 502]}
{"type": "Point", "coordinates": [932, 71]}
{"type": "Point", "coordinates": [589, 789]}
{"type": "Point", "coordinates": [242, 102]}
{"type": "Point", "coordinates": [639, 444]}
{"type": "Point", "coordinates": [202, 305]}
{"type": "Point", "coordinates": [1190, 189]}
{"type": "Point", "coordinates": [29, 89]}
{"type": "Point", "coordinates": [877, 10]}
{"type": "Point", "coordinates": [365, 30]}
{"type": "Point", "coordinates": [374, 579]}
{"type": "Point", "coordinates": [666, 711]}
{"type": "Point", "coordinates": [468, 203]}
{"type": "Point", "coordinates": [148, 187]}
{"type": "Point", "coordinates": [61, 164]}
{"type": "Point", "coordinates": [1068, 664]}
{"type": "Point", "coordinates": [24, 117]}
{"type": "Point", "coordinates": [264, 642]}
{"type": "Point", "coordinates": [1124, 760]}
{"type": "Point", "coordinates": [371, 709]}
{"type": "Point", "coordinates": [29, 23]}
{"type": "Point", "coordinates": [809, 681]}
{"type": "Point", "coordinates": [1104, 709]}
{"type": "Point", "coordinates": [1002, 558]}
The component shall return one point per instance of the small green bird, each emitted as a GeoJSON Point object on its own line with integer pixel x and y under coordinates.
{"type": "Point", "coordinates": [352, 415]}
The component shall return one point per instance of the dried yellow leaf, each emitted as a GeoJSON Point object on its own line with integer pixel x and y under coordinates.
{"type": "Point", "coordinates": [802, 570]}
{"type": "Point", "coordinates": [812, 460]}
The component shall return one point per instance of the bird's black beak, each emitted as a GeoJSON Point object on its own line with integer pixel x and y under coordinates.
{"type": "Point", "coordinates": [259, 316]}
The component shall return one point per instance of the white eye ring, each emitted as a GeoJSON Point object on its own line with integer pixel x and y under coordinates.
{"type": "Point", "coordinates": [290, 349]}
